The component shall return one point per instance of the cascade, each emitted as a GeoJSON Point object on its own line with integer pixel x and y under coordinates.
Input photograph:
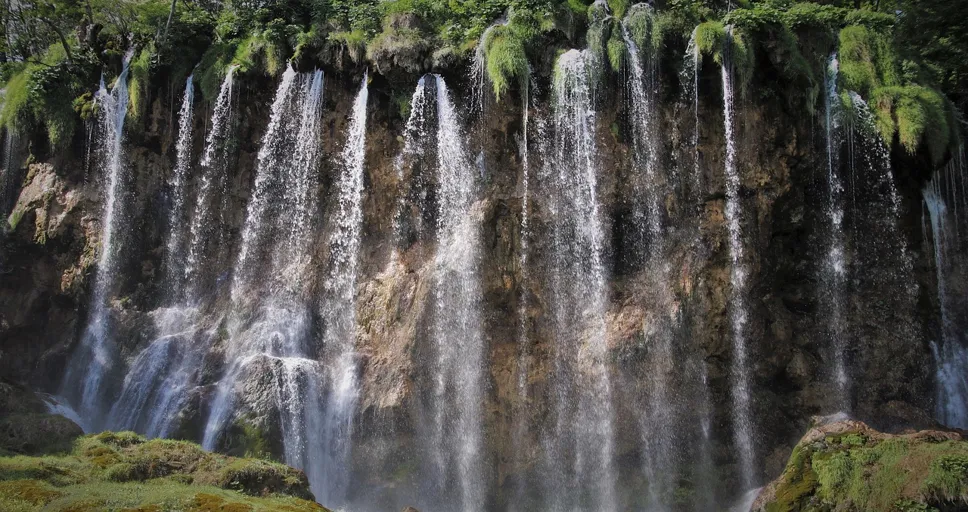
{"type": "Point", "coordinates": [157, 383]}
{"type": "Point", "coordinates": [269, 324]}
{"type": "Point", "coordinates": [457, 430]}
{"type": "Point", "coordinates": [689, 76]}
{"type": "Point", "coordinates": [739, 368]}
{"type": "Point", "coordinates": [659, 415]}
{"type": "Point", "coordinates": [10, 171]}
{"type": "Point", "coordinates": [205, 228]}
{"type": "Point", "coordinates": [95, 356]}
{"type": "Point", "coordinates": [174, 257]}
{"type": "Point", "coordinates": [339, 312]}
{"type": "Point", "coordinates": [950, 352]}
{"type": "Point", "coordinates": [834, 270]}
{"type": "Point", "coordinates": [578, 446]}
{"type": "Point", "coordinates": [406, 165]}
{"type": "Point", "coordinates": [696, 366]}
{"type": "Point", "coordinates": [881, 262]}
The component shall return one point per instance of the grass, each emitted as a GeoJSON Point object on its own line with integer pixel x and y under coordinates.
{"type": "Point", "coordinates": [138, 85]}
{"type": "Point", "coordinates": [856, 472]}
{"type": "Point", "coordinates": [917, 115]}
{"type": "Point", "coordinates": [116, 471]}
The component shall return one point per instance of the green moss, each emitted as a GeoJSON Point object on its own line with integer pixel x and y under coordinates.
{"type": "Point", "coordinates": [213, 68]}
{"type": "Point", "coordinates": [644, 28]}
{"type": "Point", "coordinates": [619, 7]}
{"type": "Point", "coordinates": [743, 58]}
{"type": "Point", "coordinates": [853, 472]}
{"type": "Point", "coordinates": [866, 60]}
{"type": "Point", "coordinates": [399, 48]}
{"type": "Point", "coordinates": [948, 478]}
{"type": "Point", "coordinates": [125, 471]}
{"type": "Point", "coordinates": [506, 58]}
{"type": "Point", "coordinates": [711, 39]}
{"type": "Point", "coordinates": [797, 484]}
{"type": "Point", "coordinates": [353, 43]}
{"type": "Point", "coordinates": [138, 85]}
{"type": "Point", "coordinates": [917, 115]}
{"type": "Point", "coordinates": [616, 50]}
{"type": "Point", "coordinates": [16, 112]}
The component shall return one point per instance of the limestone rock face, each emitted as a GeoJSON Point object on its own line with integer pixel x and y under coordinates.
{"type": "Point", "coordinates": [50, 250]}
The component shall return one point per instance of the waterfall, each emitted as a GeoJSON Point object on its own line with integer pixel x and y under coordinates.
{"type": "Point", "coordinates": [269, 327]}
{"type": "Point", "coordinates": [205, 229]}
{"type": "Point", "coordinates": [174, 258]}
{"type": "Point", "coordinates": [689, 76]}
{"type": "Point", "coordinates": [950, 353]}
{"type": "Point", "coordinates": [414, 149]}
{"type": "Point", "coordinates": [882, 268]}
{"type": "Point", "coordinates": [458, 350]}
{"type": "Point", "coordinates": [10, 173]}
{"type": "Point", "coordinates": [739, 369]}
{"type": "Point", "coordinates": [834, 270]}
{"type": "Point", "coordinates": [578, 451]}
{"type": "Point", "coordinates": [157, 385]}
{"type": "Point", "coordinates": [95, 356]}
{"type": "Point", "coordinates": [658, 418]}
{"type": "Point", "coordinates": [339, 313]}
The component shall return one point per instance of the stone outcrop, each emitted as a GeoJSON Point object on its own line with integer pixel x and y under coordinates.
{"type": "Point", "coordinates": [50, 249]}
{"type": "Point", "coordinates": [843, 464]}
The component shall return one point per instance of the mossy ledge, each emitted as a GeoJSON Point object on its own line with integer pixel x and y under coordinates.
{"type": "Point", "coordinates": [125, 471]}
{"type": "Point", "coordinates": [846, 465]}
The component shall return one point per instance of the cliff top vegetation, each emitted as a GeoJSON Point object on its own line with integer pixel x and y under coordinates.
{"type": "Point", "coordinates": [908, 57]}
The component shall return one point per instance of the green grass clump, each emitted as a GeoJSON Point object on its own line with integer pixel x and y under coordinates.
{"type": "Point", "coordinates": [866, 60]}
{"type": "Point", "coordinates": [41, 94]}
{"type": "Point", "coordinates": [213, 68]}
{"type": "Point", "coordinates": [619, 7]}
{"type": "Point", "coordinates": [506, 51]}
{"type": "Point", "coordinates": [353, 42]}
{"type": "Point", "coordinates": [948, 478]}
{"type": "Point", "coordinates": [138, 85]}
{"type": "Point", "coordinates": [711, 39]}
{"type": "Point", "coordinates": [917, 115]}
{"type": "Point", "coordinates": [125, 471]}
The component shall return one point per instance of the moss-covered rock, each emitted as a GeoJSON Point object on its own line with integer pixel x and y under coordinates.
{"type": "Point", "coordinates": [846, 465]}
{"type": "Point", "coordinates": [124, 471]}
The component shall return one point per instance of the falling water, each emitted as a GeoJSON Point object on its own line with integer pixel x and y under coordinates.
{"type": "Point", "coordinates": [883, 260]}
{"type": "Point", "coordinates": [174, 258]}
{"type": "Point", "coordinates": [658, 416]}
{"type": "Point", "coordinates": [834, 271]}
{"type": "Point", "coordinates": [739, 370]}
{"type": "Point", "coordinates": [204, 225]}
{"type": "Point", "coordinates": [339, 312]}
{"type": "Point", "coordinates": [95, 357]}
{"type": "Point", "coordinates": [156, 386]}
{"type": "Point", "coordinates": [10, 173]}
{"type": "Point", "coordinates": [479, 66]}
{"type": "Point", "coordinates": [579, 465]}
{"type": "Point", "coordinates": [414, 149]}
{"type": "Point", "coordinates": [689, 77]}
{"type": "Point", "coordinates": [269, 326]}
{"type": "Point", "coordinates": [458, 341]}
{"type": "Point", "coordinates": [950, 354]}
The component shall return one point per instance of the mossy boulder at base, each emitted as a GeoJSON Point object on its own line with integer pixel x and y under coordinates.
{"type": "Point", "coordinates": [842, 464]}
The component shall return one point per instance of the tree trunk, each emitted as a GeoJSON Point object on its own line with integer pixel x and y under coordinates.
{"type": "Point", "coordinates": [171, 13]}
{"type": "Point", "coordinates": [63, 39]}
